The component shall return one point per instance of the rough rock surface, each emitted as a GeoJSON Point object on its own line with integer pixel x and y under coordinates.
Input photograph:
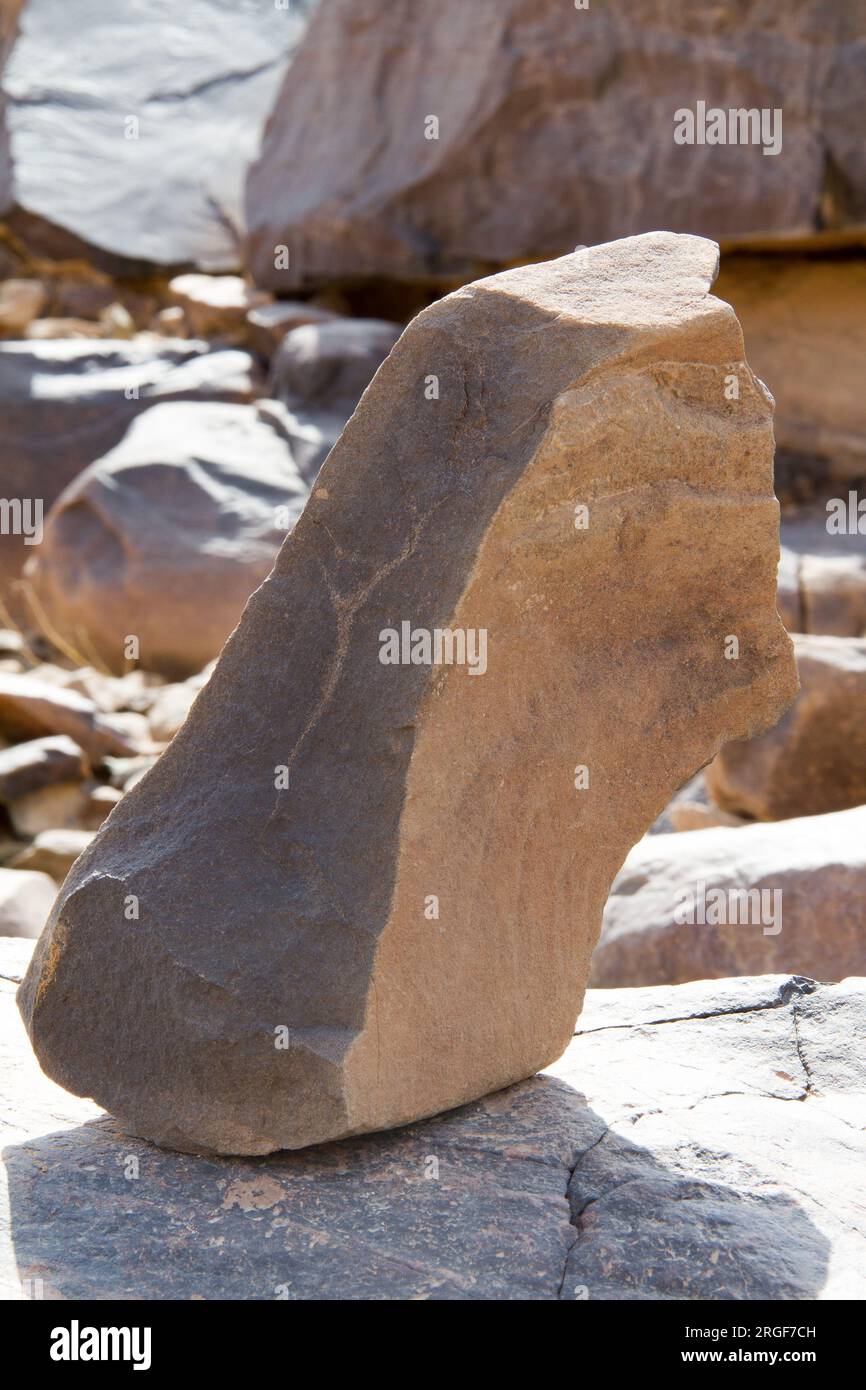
{"type": "Point", "coordinates": [167, 536]}
{"type": "Point", "coordinates": [556, 127]}
{"type": "Point", "coordinates": [64, 404]}
{"type": "Point", "coordinates": [814, 759]}
{"type": "Point", "coordinates": [804, 320]}
{"type": "Point", "coordinates": [25, 902]}
{"type": "Point", "coordinates": [815, 866]}
{"type": "Point", "coordinates": [414, 884]}
{"type": "Point", "coordinates": [198, 78]}
{"type": "Point", "coordinates": [701, 1142]}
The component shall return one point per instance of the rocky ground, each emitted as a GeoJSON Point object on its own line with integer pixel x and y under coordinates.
{"type": "Point", "coordinates": [698, 1142]}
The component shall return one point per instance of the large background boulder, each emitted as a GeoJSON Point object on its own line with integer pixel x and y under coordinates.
{"type": "Point", "coordinates": [167, 536]}
{"type": "Point", "coordinates": [555, 128]}
{"type": "Point", "coordinates": [199, 78]}
{"type": "Point", "coordinates": [64, 404]}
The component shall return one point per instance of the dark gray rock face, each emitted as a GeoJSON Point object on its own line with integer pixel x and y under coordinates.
{"type": "Point", "coordinates": [65, 403]}
{"type": "Point", "coordinates": [555, 127]}
{"type": "Point", "coordinates": [155, 109]}
{"type": "Point", "coordinates": [318, 375]}
{"type": "Point", "coordinates": [167, 536]}
{"type": "Point", "coordinates": [699, 1142]}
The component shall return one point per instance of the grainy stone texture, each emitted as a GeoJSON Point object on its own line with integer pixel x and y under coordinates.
{"type": "Point", "coordinates": [64, 404]}
{"type": "Point", "coordinates": [817, 926]}
{"type": "Point", "coordinates": [359, 790]}
{"type": "Point", "coordinates": [179, 524]}
{"type": "Point", "coordinates": [556, 127]}
{"type": "Point", "coordinates": [814, 759]}
{"type": "Point", "coordinates": [199, 78]}
{"type": "Point", "coordinates": [702, 1142]}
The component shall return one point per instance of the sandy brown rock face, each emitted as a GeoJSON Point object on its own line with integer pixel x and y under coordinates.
{"type": "Point", "coordinates": [805, 322]}
{"type": "Point", "coordinates": [554, 126]}
{"type": "Point", "coordinates": [814, 759]}
{"type": "Point", "coordinates": [354, 893]}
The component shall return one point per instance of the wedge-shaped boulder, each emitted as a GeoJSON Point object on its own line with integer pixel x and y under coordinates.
{"type": "Point", "coordinates": [361, 887]}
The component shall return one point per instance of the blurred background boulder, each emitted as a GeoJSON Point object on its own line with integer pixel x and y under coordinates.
{"type": "Point", "coordinates": [162, 541]}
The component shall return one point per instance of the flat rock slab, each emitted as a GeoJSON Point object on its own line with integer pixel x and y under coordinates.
{"type": "Point", "coordinates": [154, 109]}
{"type": "Point", "coordinates": [700, 1141]}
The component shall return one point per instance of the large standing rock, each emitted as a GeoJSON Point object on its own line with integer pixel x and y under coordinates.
{"type": "Point", "coordinates": [677, 911]}
{"type": "Point", "coordinates": [814, 759]}
{"type": "Point", "coordinates": [368, 892]}
{"type": "Point", "coordinates": [131, 126]}
{"type": "Point", "coordinates": [700, 1142]}
{"type": "Point", "coordinates": [555, 127]}
{"type": "Point", "coordinates": [167, 536]}
{"type": "Point", "coordinates": [64, 404]}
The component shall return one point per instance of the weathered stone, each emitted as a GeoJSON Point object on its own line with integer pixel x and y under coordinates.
{"type": "Point", "coordinates": [318, 375]}
{"type": "Point", "coordinates": [131, 127]}
{"type": "Point", "coordinates": [404, 866]}
{"type": "Point", "coordinates": [25, 901]}
{"type": "Point", "coordinates": [178, 524]}
{"type": "Point", "coordinates": [172, 705]}
{"type": "Point", "coordinates": [268, 324]}
{"type": "Point", "coordinates": [59, 806]}
{"type": "Point", "coordinates": [64, 404]}
{"type": "Point", "coordinates": [42, 330]}
{"type": "Point", "coordinates": [677, 911]}
{"type": "Point", "coordinates": [53, 852]}
{"type": "Point", "coordinates": [701, 1142]}
{"type": "Point", "coordinates": [216, 306]}
{"type": "Point", "coordinates": [27, 767]}
{"type": "Point", "coordinates": [30, 708]}
{"type": "Point", "coordinates": [553, 129]}
{"type": "Point", "coordinates": [814, 759]}
{"type": "Point", "coordinates": [100, 803]}
{"type": "Point", "coordinates": [21, 301]}
{"type": "Point", "coordinates": [695, 815]}
{"type": "Point", "coordinates": [804, 320]}
{"type": "Point", "coordinates": [823, 576]}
